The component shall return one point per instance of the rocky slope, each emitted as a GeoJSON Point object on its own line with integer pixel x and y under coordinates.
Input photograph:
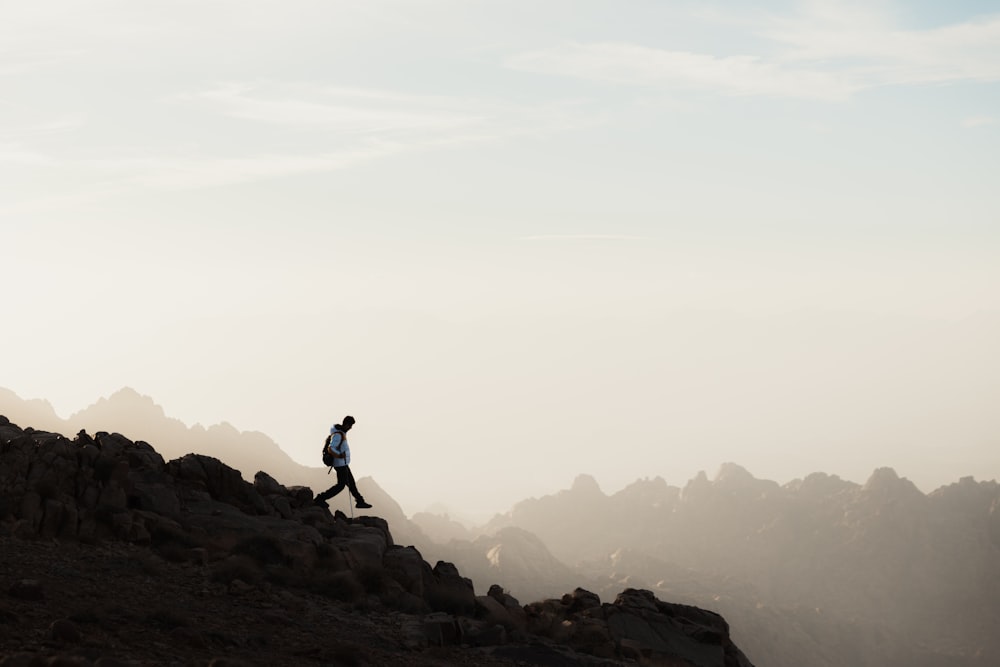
{"type": "Point", "coordinates": [112, 555]}
{"type": "Point", "coordinates": [128, 411]}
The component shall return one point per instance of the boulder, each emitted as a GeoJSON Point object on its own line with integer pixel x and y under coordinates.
{"type": "Point", "coordinates": [446, 590]}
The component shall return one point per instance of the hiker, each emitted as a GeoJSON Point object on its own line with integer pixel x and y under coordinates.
{"type": "Point", "coordinates": [342, 464]}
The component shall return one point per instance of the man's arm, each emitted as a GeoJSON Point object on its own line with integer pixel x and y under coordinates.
{"type": "Point", "coordinates": [335, 445]}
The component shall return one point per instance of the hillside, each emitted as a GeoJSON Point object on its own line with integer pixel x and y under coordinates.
{"type": "Point", "coordinates": [112, 555]}
{"type": "Point", "coordinates": [128, 411]}
{"type": "Point", "coordinates": [820, 571]}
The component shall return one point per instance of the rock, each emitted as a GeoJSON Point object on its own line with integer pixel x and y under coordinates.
{"type": "Point", "coordinates": [448, 591]}
{"type": "Point", "coordinates": [406, 567]}
{"type": "Point", "coordinates": [27, 589]}
{"type": "Point", "coordinates": [492, 612]}
{"type": "Point", "coordinates": [267, 485]}
{"type": "Point", "coordinates": [651, 630]}
{"type": "Point", "coordinates": [189, 636]}
{"type": "Point", "coordinates": [515, 611]}
{"type": "Point", "coordinates": [64, 631]}
{"type": "Point", "coordinates": [239, 587]}
{"type": "Point", "coordinates": [580, 600]}
{"type": "Point", "coordinates": [109, 662]}
{"type": "Point", "coordinates": [441, 629]}
{"type": "Point", "coordinates": [261, 540]}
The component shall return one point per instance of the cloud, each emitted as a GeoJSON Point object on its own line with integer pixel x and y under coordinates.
{"type": "Point", "coordinates": [54, 126]}
{"type": "Point", "coordinates": [582, 237]}
{"type": "Point", "coordinates": [830, 52]}
{"type": "Point", "coordinates": [201, 172]}
{"type": "Point", "coordinates": [14, 154]}
{"type": "Point", "coordinates": [733, 75]}
{"type": "Point", "coordinates": [342, 109]}
{"type": "Point", "coordinates": [874, 52]}
{"type": "Point", "coordinates": [980, 121]}
{"type": "Point", "coordinates": [291, 129]}
{"type": "Point", "coordinates": [26, 62]}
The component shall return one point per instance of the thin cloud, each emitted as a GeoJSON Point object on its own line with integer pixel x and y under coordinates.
{"type": "Point", "coordinates": [27, 62]}
{"type": "Point", "coordinates": [640, 65]}
{"type": "Point", "coordinates": [980, 121]}
{"type": "Point", "coordinates": [830, 53]}
{"type": "Point", "coordinates": [14, 154]}
{"type": "Point", "coordinates": [340, 109]}
{"type": "Point", "coordinates": [54, 126]}
{"type": "Point", "coordinates": [319, 129]}
{"type": "Point", "coordinates": [583, 237]}
{"type": "Point", "coordinates": [874, 52]}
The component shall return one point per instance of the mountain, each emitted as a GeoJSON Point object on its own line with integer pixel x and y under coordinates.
{"type": "Point", "coordinates": [114, 555]}
{"type": "Point", "coordinates": [820, 571]}
{"type": "Point", "coordinates": [128, 411]}
{"type": "Point", "coordinates": [862, 574]}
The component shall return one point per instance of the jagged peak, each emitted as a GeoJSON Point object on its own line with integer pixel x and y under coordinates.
{"type": "Point", "coordinates": [130, 399]}
{"type": "Point", "coordinates": [586, 484]}
{"type": "Point", "coordinates": [732, 472]}
{"type": "Point", "coordinates": [40, 404]}
{"type": "Point", "coordinates": [696, 486]}
{"type": "Point", "coordinates": [130, 394]}
{"type": "Point", "coordinates": [885, 480]}
{"type": "Point", "coordinates": [645, 484]}
{"type": "Point", "coordinates": [820, 483]}
{"type": "Point", "coordinates": [223, 428]}
{"type": "Point", "coordinates": [880, 478]}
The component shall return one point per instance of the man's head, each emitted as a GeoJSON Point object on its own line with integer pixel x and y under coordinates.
{"type": "Point", "coordinates": [348, 422]}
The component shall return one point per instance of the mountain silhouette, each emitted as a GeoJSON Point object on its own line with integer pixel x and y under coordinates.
{"type": "Point", "coordinates": [870, 566]}
{"type": "Point", "coordinates": [133, 559]}
{"type": "Point", "coordinates": [128, 411]}
{"type": "Point", "coordinates": [819, 571]}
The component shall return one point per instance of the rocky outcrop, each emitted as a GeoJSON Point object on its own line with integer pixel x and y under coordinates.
{"type": "Point", "coordinates": [637, 626]}
{"type": "Point", "coordinates": [247, 452]}
{"type": "Point", "coordinates": [197, 510]}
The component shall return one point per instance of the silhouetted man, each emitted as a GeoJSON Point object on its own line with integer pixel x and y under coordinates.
{"type": "Point", "coordinates": [342, 464]}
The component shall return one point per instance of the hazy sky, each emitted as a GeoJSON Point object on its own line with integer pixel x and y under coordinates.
{"type": "Point", "coordinates": [519, 241]}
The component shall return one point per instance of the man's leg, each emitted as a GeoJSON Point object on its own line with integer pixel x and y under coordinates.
{"type": "Point", "coordinates": [353, 486]}
{"type": "Point", "coordinates": [336, 488]}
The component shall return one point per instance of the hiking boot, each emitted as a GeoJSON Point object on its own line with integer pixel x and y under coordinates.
{"type": "Point", "coordinates": [319, 502]}
{"type": "Point", "coordinates": [362, 505]}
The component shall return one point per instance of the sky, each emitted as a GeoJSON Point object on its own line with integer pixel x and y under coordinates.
{"type": "Point", "coordinates": [518, 241]}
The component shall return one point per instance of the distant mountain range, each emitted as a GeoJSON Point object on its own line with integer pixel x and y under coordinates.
{"type": "Point", "coordinates": [820, 572]}
{"type": "Point", "coordinates": [864, 574]}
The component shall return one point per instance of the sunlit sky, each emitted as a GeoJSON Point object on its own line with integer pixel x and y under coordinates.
{"type": "Point", "coordinates": [518, 241]}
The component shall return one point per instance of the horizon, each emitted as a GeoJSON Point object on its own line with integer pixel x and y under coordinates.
{"type": "Point", "coordinates": [519, 243]}
{"type": "Point", "coordinates": [472, 519]}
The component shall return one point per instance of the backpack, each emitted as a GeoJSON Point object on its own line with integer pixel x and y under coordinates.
{"type": "Point", "coordinates": [328, 457]}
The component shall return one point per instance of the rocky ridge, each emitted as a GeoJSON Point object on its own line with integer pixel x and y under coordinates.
{"type": "Point", "coordinates": [112, 555]}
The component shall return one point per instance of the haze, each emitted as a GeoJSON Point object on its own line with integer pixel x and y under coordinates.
{"type": "Point", "coordinates": [517, 241]}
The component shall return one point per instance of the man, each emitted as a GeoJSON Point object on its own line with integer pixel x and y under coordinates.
{"type": "Point", "coordinates": [342, 464]}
